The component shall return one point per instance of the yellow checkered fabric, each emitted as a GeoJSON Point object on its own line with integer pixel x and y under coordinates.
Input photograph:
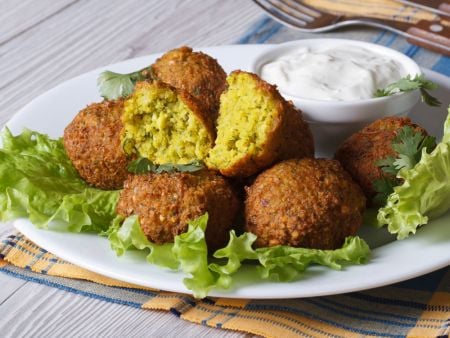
{"type": "Point", "coordinates": [417, 308]}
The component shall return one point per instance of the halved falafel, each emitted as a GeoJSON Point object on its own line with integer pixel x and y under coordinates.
{"type": "Point", "coordinates": [166, 202]}
{"type": "Point", "coordinates": [311, 203]}
{"type": "Point", "coordinates": [195, 72]}
{"type": "Point", "coordinates": [360, 153]}
{"type": "Point", "coordinates": [256, 127]}
{"type": "Point", "coordinates": [165, 125]}
{"type": "Point", "coordinates": [92, 142]}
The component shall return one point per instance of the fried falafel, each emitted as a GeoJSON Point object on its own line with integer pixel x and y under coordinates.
{"type": "Point", "coordinates": [166, 125]}
{"type": "Point", "coordinates": [256, 127]}
{"type": "Point", "coordinates": [166, 202]}
{"type": "Point", "coordinates": [360, 153]}
{"type": "Point", "coordinates": [311, 203]}
{"type": "Point", "coordinates": [195, 72]}
{"type": "Point", "coordinates": [92, 142]}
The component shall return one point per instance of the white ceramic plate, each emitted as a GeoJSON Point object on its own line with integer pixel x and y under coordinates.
{"type": "Point", "coordinates": [392, 261]}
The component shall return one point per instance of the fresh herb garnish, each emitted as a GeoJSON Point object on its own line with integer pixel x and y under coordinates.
{"type": "Point", "coordinates": [115, 85]}
{"type": "Point", "coordinates": [143, 165]}
{"type": "Point", "coordinates": [407, 84]}
{"type": "Point", "coordinates": [408, 144]}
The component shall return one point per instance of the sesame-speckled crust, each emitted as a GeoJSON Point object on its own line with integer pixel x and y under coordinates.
{"type": "Point", "coordinates": [289, 137]}
{"type": "Point", "coordinates": [165, 203]}
{"type": "Point", "coordinates": [195, 72]}
{"type": "Point", "coordinates": [92, 142]}
{"type": "Point", "coordinates": [360, 152]}
{"type": "Point", "coordinates": [310, 203]}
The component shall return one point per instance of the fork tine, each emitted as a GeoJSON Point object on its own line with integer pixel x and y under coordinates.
{"type": "Point", "coordinates": [280, 15]}
{"type": "Point", "coordinates": [292, 8]}
{"type": "Point", "coordinates": [301, 7]}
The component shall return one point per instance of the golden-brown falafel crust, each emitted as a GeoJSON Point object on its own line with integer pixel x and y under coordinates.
{"type": "Point", "coordinates": [289, 137]}
{"type": "Point", "coordinates": [310, 203]}
{"type": "Point", "coordinates": [166, 202]}
{"type": "Point", "coordinates": [195, 72]}
{"type": "Point", "coordinates": [92, 142]}
{"type": "Point", "coordinates": [361, 151]}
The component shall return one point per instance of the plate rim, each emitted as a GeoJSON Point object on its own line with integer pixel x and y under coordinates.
{"type": "Point", "coordinates": [20, 224]}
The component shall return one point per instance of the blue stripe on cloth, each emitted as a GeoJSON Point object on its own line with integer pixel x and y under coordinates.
{"type": "Point", "coordinates": [322, 319]}
{"type": "Point", "coordinates": [410, 304]}
{"type": "Point", "coordinates": [442, 66]}
{"type": "Point", "coordinates": [273, 322]}
{"type": "Point", "coordinates": [263, 30]}
{"type": "Point", "coordinates": [391, 40]}
{"type": "Point", "coordinates": [372, 312]}
{"type": "Point", "coordinates": [70, 289]}
{"type": "Point", "coordinates": [379, 37]}
{"type": "Point", "coordinates": [230, 315]}
{"type": "Point", "coordinates": [272, 31]}
{"type": "Point", "coordinates": [362, 318]}
{"type": "Point", "coordinates": [36, 258]}
{"type": "Point", "coordinates": [411, 50]}
{"type": "Point", "coordinates": [254, 29]}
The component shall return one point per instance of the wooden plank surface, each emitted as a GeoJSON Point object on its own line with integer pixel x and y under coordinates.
{"type": "Point", "coordinates": [89, 34]}
{"type": "Point", "coordinates": [43, 43]}
{"type": "Point", "coordinates": [35, 310]}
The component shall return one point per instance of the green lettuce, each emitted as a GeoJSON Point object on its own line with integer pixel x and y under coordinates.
{"type": "Point", "coordinates": [189, 253]}
{"type": "Point", "coordinates": [127, 234]}
{"type": "Point", "coordinates": [38, 181]}
{"type": "Point", "coordinates": [285, 263]}
{"type": "Point", "coordinates": [424, 193]}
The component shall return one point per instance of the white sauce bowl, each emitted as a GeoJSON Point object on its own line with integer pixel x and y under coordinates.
{"type": "Point", "coordinates": [333, 121]}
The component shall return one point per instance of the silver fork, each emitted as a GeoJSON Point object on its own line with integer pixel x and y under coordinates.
{"type": "Point", "coordinates": [295, 14]}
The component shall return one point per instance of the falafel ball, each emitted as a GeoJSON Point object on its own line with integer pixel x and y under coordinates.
{"type": "Point", "coordinates": [166, 202]}
{"type": "Point", "coordinates": [256, 127]}
{"type": "Point", "coordinates": [92, 142]}
{"type": "Point", "coordinates": [165, 125]}
{"type": "Point", "coordinates": [195, 72]}
{"type": "Point", "coordinates": [311, 203]}
{"type": "Point", "coordinates": [360, 153]}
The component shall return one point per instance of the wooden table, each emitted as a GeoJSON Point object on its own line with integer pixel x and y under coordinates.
{"type": "Point", "coordinates": [43, 43]}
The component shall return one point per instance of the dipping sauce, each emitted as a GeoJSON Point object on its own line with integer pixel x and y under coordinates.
{"type": "Point", "coordinates": [343, 73]}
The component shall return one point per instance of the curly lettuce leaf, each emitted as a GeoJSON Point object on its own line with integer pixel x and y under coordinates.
{"type": "Point", "coordinates": [424, 193]}
{"type": "Point", "coordinates": [189, 253]}
{"type": "Point", "coordinates": [127, 234]}
{"type": "Point", "coordinates": [285, 263]}
{"type": "Point", "coordinates": [38, 181]}
{"type": "Point", "coordinates": [192, 252]}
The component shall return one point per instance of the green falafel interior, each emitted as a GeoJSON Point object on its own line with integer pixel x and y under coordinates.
{"type": "Point", "coordinates": [424, 193]}
{"type": "Point", "coordinates": [165, 126]}
{"type": "Point", "coordinates": [38, 181]}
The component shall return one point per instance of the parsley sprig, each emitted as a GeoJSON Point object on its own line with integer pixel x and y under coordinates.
{"type": "Point", "coordinates": [408, 83]}
{"type": "Point", "coordinates": [408, 144]}
{"type": "Point", "coordinates": [115, 85]}
{"type": "Point", "coordinates": [143, 165]}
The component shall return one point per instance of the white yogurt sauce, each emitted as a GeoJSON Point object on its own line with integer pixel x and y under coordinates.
{"type": "Point", "coordinates": [343, 73]}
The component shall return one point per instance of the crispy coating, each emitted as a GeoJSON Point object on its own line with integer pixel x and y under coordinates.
{"type": "Point", "coordinates": [92, 142]}
{"type": "Point", "coordinates": [360, 152]}
{"type": "Point", "coordinates": [165, 203]}
{"type": "Point", "coordinates": [310, 203]}
{"type": "Point", "coordinates": [286, 135]}
{"type": "Point", "coordinates": [195, 72]}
